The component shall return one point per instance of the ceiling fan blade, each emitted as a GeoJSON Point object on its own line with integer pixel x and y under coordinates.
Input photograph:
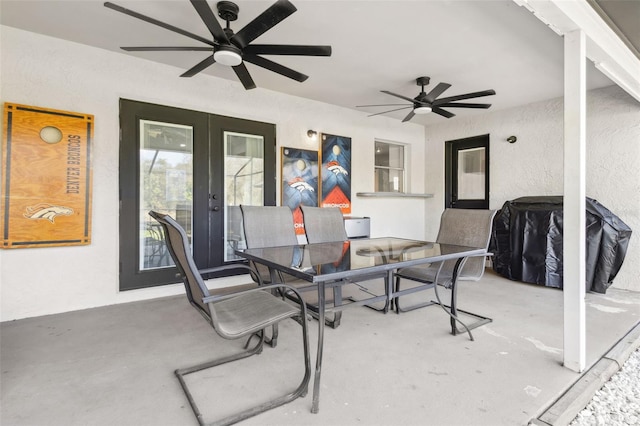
{"type": "Point", "coordinates": [199, 67]}
{"type": "Point", "coordinates": [442, 112]}
{"type": "Point", "coordinates": [464, 105]}
{"type": "Point", "coordinates": [210, 20]}
{"type": "Point", "coordinates": [275, 67]}
{"type": "Point", "coordinates": [379, 105]}
{"type": "Point", "coordinates": [263, 22]}
{"type": "Point", "coordinates": [409, 116]}
{"type": "Point", "coordinates": [399, 96]}
{"type": "Point", "coordinates": [437, 91]}
{"type": "Point", "coordinates": [465, 96]}
{"type": "Point", "coordinates": [158, 23]}
{"type": "Point", "coordinates": [287, 49]}
{"type": "Point", "coordinates": [384, 112]}
{"type": "Point", "coordinates": [244, 76]}
{"type": "Point", "coordinates": [166, 49]}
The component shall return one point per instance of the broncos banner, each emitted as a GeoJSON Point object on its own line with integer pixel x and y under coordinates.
{"type": "Point", "coordinates": [299, 182]}
{"type": "Point", "coordinates": [46, 179]}
{"type": "Point", "coordinates": [336, 172]}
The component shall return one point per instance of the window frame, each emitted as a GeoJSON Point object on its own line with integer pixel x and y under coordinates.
{"type": "Point", "coordinates": [405, 163]}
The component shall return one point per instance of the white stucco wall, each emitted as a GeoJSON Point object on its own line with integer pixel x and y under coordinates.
{"type": "Point", "coordinates": [534, 164]}
{"type": "Point", "coordinates": [47, 72]}
{"type": "Point", "coordinates": [52, 73]}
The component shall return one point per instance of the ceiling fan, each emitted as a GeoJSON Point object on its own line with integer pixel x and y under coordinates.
{"type": "Point", "coordinates": [425, 103]}
{"type": "Point", "coordinates": [233, 49]}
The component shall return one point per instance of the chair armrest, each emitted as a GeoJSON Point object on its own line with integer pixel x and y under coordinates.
{"type": "Point", "coordinates": [255, 276]}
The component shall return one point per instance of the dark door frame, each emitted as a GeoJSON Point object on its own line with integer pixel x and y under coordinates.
{"type": "Point", "coordinates": [208, 171]}
{"type": "Point", "coordinates": [451, 172]}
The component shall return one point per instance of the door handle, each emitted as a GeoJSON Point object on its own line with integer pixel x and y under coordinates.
{"type": "Point", "coordinates": [215, 208]}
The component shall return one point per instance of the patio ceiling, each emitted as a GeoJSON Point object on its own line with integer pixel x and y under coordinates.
{"type": "Point", "coordinates": [377, 45]}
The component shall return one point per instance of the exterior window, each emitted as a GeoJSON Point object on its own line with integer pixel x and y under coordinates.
{"type": "Point", "coordinates": [389, 167]}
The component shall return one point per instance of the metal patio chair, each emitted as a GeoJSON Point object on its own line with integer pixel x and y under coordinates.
{"type": "Point", "coordinates": [235, 314]}
{"type": "Point", "coordinates": [463, 227]}
{"type": "Point", "coordinates": [272, 226]}
{"type": "Point", "coordinates": [326, 225]}
{"type": "Point", "coordinates": [323, 225]}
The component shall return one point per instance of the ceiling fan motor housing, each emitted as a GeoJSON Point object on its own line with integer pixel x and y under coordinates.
{"type": "Point", "coordinates": [228, 10]}
{"type": "Point", "coordinates": [422, 81]}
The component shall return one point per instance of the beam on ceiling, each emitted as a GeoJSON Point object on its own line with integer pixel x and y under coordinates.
{"type": "Point", "coordinates": [603, 46]}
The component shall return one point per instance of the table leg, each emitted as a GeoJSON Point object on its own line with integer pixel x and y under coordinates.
{"type": "Point", "coordinates": [316, 382]}
{"type": "Point", "coordinates": [389, 290]}
{"type": "Point", "coordinates": [454, 297]}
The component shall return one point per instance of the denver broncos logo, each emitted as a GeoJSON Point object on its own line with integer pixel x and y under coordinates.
{"type": "Point", "coordinates": [336, 168]}
{"type": "Point", "coordinates": [299, 184]}
{"type": "Point", "coordinates": [47, 211]}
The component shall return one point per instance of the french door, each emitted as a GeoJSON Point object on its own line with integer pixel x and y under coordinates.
{"type": "Point", "coordinates": [467, 173]}
{"type": "Point", "coordinates": [196, 167]}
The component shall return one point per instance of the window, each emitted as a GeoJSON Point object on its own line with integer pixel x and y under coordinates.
{"type": "Point", "coordinates": [389, 167]}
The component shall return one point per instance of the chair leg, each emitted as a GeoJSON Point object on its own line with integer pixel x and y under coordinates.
{"type": "Point", "coordinates": [337, 316]}
{"type": "Point", "coordinates": [273, 341]}
{"type": "Point", "coordinates": [396, 299]}
{"type": "Point", "coordinates": [482, 320]}
{"type": "Point", "coordinates": [388, 304]}
{"type": "Point", "coordinates": [300, 391]}
{"type": "Point", "coordinates": [451, 309]}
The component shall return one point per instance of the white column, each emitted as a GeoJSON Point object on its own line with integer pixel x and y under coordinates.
{"type": "Point", "coordinates": [574, 199]}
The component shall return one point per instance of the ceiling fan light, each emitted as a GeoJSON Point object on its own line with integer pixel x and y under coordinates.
{"type": "Point", "coordinates": [227, 57]}
{"type": "Point", "coordinates": [422, 109]}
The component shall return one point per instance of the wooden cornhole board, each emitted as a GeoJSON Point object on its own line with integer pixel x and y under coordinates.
{"type": "Point", "coordinates": [46, 177]}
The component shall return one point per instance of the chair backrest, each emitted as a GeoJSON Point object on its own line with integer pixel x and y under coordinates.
{"type": "Point", "coordinates": [180, 250]}
{"type": "Point", "coordinates": [467, 227]}
{"type": "Point", "coordinates": [323, 225]}
{"type": "Point", "coordinates": [267, 226]}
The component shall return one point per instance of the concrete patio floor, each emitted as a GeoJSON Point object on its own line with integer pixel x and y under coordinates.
{"type": "Point", "coordinates": [114, 365]}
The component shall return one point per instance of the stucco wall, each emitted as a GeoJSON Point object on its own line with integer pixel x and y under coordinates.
{"type": "Point", "coordinates": [47, 72]}
{"type": "Point", "coordinates": [52, 73]}
{"type": "Point", "coordinates": [534, 164]}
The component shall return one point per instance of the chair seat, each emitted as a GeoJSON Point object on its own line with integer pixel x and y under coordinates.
{"type": "Point", "coordinates": [251, 312]}
{"type": "Point", "coordinates": [426, 275]}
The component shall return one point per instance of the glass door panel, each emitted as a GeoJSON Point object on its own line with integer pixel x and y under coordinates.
{"type": "Point", "coordinates": [471, 174]}
{"type": "Point", "coordinates": [243, 183]}
{"type": "Point", "coordinates": [166, 186]}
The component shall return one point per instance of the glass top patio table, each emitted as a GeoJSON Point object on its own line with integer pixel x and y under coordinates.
{"type": "Point", "coordinates": [354, 259]}
{"type": "Point", "coordinates": [324, 262]}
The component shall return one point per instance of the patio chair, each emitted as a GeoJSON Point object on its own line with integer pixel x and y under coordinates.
{"type": "Point", "coordinates": [463, 227]}
{"type": "Point", "coordinates": [235, 314]}
{"type": "Point", "coordinates": [326, 225]}
{"type": "Point", "coordinates": [323, 225]}
{"type": "Point", "coordinates": [272, 226]}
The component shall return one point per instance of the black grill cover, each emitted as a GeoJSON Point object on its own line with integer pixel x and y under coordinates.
{"type": "Point", "coordinates": [527, 242]}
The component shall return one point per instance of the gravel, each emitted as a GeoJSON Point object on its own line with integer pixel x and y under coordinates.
{"type": "Point", "coordinates": [618, 401]}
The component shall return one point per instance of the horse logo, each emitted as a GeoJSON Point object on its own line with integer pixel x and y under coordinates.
{"type": "Point", "coordinates": [47, 211]}
{"type": "Point", "coordinates": [336, 168]}
{"type": "Point", "coordinates": [299, 184]}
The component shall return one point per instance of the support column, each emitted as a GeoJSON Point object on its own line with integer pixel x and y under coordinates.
{"type": "Point", "coordinates": [574, 243]}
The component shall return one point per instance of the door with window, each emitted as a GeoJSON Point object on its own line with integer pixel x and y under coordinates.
{"type": "Point", "coordinates": [467, 173]}
{"type": "Point", "coordinates": [196, 167]}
